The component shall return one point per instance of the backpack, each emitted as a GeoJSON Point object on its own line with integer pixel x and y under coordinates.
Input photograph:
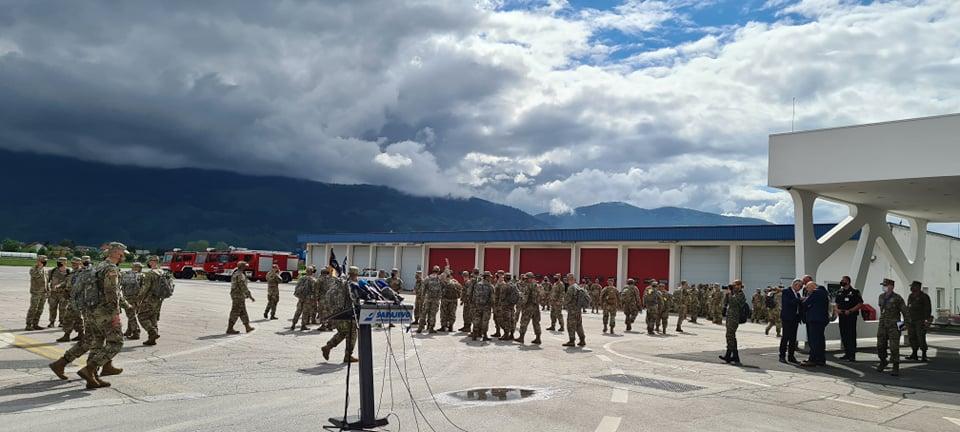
{"type": "Point", "coordinates": [583, 300]}
{"type": "Point", "coordinates": [745, 313]}
{"type": "Point", "coordinates": [130, 284]}
{"type": "Point", "coordinates": [302, 290]}
{"type": "Point", "coordinates": [771, 301]}
{"type": "Point", "coordinates": [85, 294]}
{"type": "Point", "coordinates": [164, 287]}
{"type": "Point", "coordinates": [513, 295]}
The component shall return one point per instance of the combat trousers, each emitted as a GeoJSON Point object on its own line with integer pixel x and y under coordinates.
{"type": "Point", "coordinates": [848, 334]}
{"type": "Point", "coordinates": [530, 313]}
{"type": "Point", "coordinates": [448, 313]}
{"type": "Point", "coordinates": [507, 321]}
{"type": "Point", "coordinates": [429, 317]}
{"type": "Point", "coordinates": [888, 341]}
{"type": "Point", "coordinates": [481, 320]}
{"type": "Point", "coordinates": [664, 317]}
{"type": "Point", "coordinates": [71, 319]}
{"type": "Point", "coordinates": [609, 317]}
{"type": "Point", "coordinates": [773, 320]}
{"type": "Point", "coordinates": [346, 330]}
{"type": "Point", "coordinates": [304, 312]}
{"type": "Point", "coordinates": [556, 315]}
{"type": "Point", "coordinates": [133, 327]}
{"type": "Point", "coordinates": [36, 308]}
{"type": "Point", "coordinates": [58, 305]}
{"type": "Point", "coordinates": [147, 314]}
{"type": "Point", "coordinates": [788, 342]}
{"type": "Point", "coordinates": [694, 312]}
{"type": "Point", "coordinates": [105, 337]}
{"type": "Point", "coordinates": [272, 300]}
{"type": "Point", "coordinates": [467, 315]}
{"type": "Point", "coordinates": [917, 333]}
{"type": "Point", "coordinates": [594, 302]}
{"type": "Point", "coordinates": [238, 309]}
{"type": "Point", "coordinates": [630, 316]}
{"type": "Point", "coordinates": [575, 324]}
{"type": "Point", "coordinates": [681, 315]}
{"type": "Point", "coordinates": [652, 319]}
{"type": "Point", "coordinates": [731, 334]}
{"type": "Point", "coordinates": [83, 345]}
{"type": "Point", "coordinates": [418, 308]}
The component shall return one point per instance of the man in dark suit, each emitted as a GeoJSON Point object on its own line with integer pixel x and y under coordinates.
{"type": "Point", "coordinates": [816, 316]}
{"type": "Point", "coordinates": [790, 318]}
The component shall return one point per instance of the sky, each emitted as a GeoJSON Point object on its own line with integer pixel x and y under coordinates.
{"type": "Point", "coordinates": [541, 105]}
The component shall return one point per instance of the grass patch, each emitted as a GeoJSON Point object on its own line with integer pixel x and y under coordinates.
{"type": "Point", "coordinates": [29, 262]}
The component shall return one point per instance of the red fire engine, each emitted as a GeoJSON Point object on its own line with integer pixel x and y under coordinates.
{"type": "Point", "coordinates": [259, 263]}
{"type": "Point", "coordinates": [182, 264]}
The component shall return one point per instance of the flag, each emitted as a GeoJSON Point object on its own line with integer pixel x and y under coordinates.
{"type": "Point", "coordinates": [334, 265]}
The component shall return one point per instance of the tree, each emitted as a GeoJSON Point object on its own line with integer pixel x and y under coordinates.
{"type": "Point", "coordinates": [199, 245]}
{"type": "Point", "coordinates": [11, 245]}
{"type": "Point", "coordinates": [42, 250]}
{"type": "Point", "coordinates": [222, 246]}
{"type": "Point", "coordinates": [67, 243]}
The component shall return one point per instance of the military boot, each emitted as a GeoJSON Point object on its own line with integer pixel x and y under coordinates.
{"type": "Point", "coordinates": [486, 338]}
{"type": "Point", "coordinates": [326, 352]}
{"type": "Point", "coordinates": [570, 343]}
{"type": "Point", "coordinates": [78, 336]}
{"type": "Point", "coordinates": [496, 334]}
{"type": "Point", "coordinates": [924, 357]}
{"type": "Point", "coordinates": [151, 340]}
{"type": "Point", "coordinates": [561, 327]}
{"type": "Point", "coordinates": [264, 314]}
{"type": "Point", "coordinates": [249, 328]}
{"type": "Point", "coordinates": [134, 336]}
{"type": "Point", "coordinates": [882, 365]}
{"type": "Point", "coordinates": [230, 330]}
{"type": "Point", "coordinates": [350, 359]}
{"type": "Point", "coordinates": [108, 369]}
{"type": "Point", "coordinates": [58, 366]}
{"type": "Point", "coordinates": [87, 374]}
{"type": "Point", "coordinates": [896, 370]}
{"type": "Point", "coordinates": [551, 328]}
{"type": "Point", "coordinates": [629, 327]}
{"type": "Point", "coordinates": [303, 328]}
{"type": "Point", "coordinates": [726, 357]}
{"type": "Point", "coordinates": [912, 356]}
{"type": "Point", "coordinates": [735, 358]}
{"type": "Point", "coordinates": [583, 342]}
{"type": "Point", "coordinates": [65, 337]}
{"type": "Point", "coordinates": [519, 338]}
{"type": "Point", "coordinates": [96, 375]}
{"type": "Point", "coordinates": [535, 341]}
{"type": "Point", "coordinates": [679, 330]}
{"type": "Point", "coordinates": [611, 329]}
{"type": "Point", "coordinates": [604, 328]}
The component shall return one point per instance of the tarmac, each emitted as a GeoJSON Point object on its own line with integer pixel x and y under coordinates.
{"type": "Point", "coordinates": [198, 379]}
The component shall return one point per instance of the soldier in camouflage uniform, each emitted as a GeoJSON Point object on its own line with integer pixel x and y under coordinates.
{"type": "Point", "coordinates": [666, 301]}
{"type": "Point", "coordinates": [651, 301]}
{"type": "Point", "coordinates": [149, 301]}
{"type": "Point", "coordinates": [38, 293]}
{"type": "Point", "coordinates": [452, 290]}
{"type": "Point", "coordinates": [306, 299]}
{"type": "Point", "coordinates": [418, 292]}
{"type": "Point", "coordinates": [433, 292]}
{"type": "Point", "coordinates": [720, 298]}
{"type": "Point", "coordinates": [630, 301]}
{"type": "Point", "coordinates": [466, 300]}
{"type": "Point", "coordinates": [102, 338]}
{"type": "Point", "coordinates": [572, 297]}
{"type": "Point", "coordinates": [71, 316]}
{"type": "Point", "coordinates": [773, 314]}
{"type": "Point", "coordinates": [130, 310]}
{"type": "Point", "coordinates": [508, 297]}
{"type": "Point", "coordinates": [734, 303]}
{"type": "Point", "coordinates": [57, 292]}
{"type": "Point", "coordinates": [482, 305]}
{"type": "Point", "coordinates": [341, 298]}
{"type": "Point", "coordinates": [919, 318]}
{"type": "Point", "coordinates": [544, 285]}
{"type": "Point", "coordinates": [609, 299]}
{"type": "Point", "coordinates": [892, 308]}
{"type": "Point", "coordinates": [325, 284]}
{"type": "Point", "coordinates": [273, 292]}
{"type": "Point", "coordinates": [682, 299]}
{"type": "Point", "coordinates": [756, 301]}
{"type": "Point", "coordinates": [529, 307]}
{"type": "Point", "coordinates": [497, 314]}
{"type": "Point", "coordinates": [557, 301]}
{"type": "Point", "coordinates": [239, 293]}
{"type": "Point", "coordinates": [595, 302]}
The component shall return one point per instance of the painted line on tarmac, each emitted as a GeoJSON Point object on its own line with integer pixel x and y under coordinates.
{"type": "Point", "coordinates": [604, 358]}
{"type": "Point", "coordinates": [617, 371]}
{"type": "Point", "coordinates": [619, 395]}
{"type": "Point", "coordinates": [45, 350]}
{"type": "Point", "coordinates": [192, 350]}
{"type": "Point", "coordinates": [608, 424]}
{"type": "Point", "coordinates": [952, 420]}
{"type": "Point", "coordinates": [173, 397]}
{"type": "Point", "coordinates": [848, 401]}
{"type": "Point", "coordinates": [751, 382]}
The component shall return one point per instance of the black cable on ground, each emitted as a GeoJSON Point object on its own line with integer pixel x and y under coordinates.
{"type": "Point", "coordinates": [432, 395]}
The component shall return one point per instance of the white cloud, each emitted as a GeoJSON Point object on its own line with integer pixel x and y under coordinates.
{"type": "Point", "coordinates": [558, 207]}
{"type": "Point", "coordinates": [392, 161]}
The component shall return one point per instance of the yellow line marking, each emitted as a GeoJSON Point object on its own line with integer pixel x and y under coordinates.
{"type": "Point", "coordinates": [46, 350]}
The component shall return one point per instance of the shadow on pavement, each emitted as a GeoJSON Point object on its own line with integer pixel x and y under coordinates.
{"type": "Point", "coordinates": [22, 404]}
{"type": "Point", "coordinates": [323, 369]}
{"type": "Point", "coordinates": [215, 336]}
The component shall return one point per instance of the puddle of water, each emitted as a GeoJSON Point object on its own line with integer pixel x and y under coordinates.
{"type": "Point", "coordinates": [493, 394]}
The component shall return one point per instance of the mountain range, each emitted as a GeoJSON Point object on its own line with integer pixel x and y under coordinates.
{"type": "Point", "coordinates": [49, 198]}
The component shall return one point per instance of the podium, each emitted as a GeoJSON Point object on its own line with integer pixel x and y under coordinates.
{"type": "Point", "coordinates": [367, 314]}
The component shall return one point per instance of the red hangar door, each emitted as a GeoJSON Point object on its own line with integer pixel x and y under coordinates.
{"type": "Point", "coordinates": [545, 261]}
{"type": "Point", "coordinates": [598, 263]}
{"type": "Point", "coordinates": [496, 259]}
{"type": "Point", "coordinates": [648, 264]}
{"type": "Point", "coordinates": [460, 259]}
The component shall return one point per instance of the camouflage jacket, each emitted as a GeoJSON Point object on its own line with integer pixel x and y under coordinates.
{"type": "Point", "coordinates": [609, 297]}
{"type": "Point", "coordinates": [273, 281]}
{"type": "Point", "coordinates": [918, 306]}
{"type": "Point", "coordinates": [691, 297]}
{"type": "Point", "coordinates": [630, 298]}
{"type": "Point", "coordinates": [556, 294]}
{"type": "Point", "coordinates": [482, 293]}
{"type": "Point", "coordinates": [58, 279]}
{"type": "Point", "coordinates": [149, 282]}
{"type": "Point", "coordinates": [467, 297]}
{"type": "Point", "coordinates": [734, 304]}
{"type": "Point", "coordinates": [433, 287]}
{"type": "Point", "coordinates": [595, 289]}
{"type": "Point", "coordinates": [108, 280]}
{"type": "Point", "coordinates": [396, 284]}
{"type": "Point", "coordinates": [665, 299]}
{"type": "Point", "coordinates": [452, 289]}
{"type": "Point", "coordinates": [892, 308]}
{"type": "Point", "coordinates": [530, 295]}
{"type": "Point", "coordinates": [652, 299]}
{"type": "Point", "coordinates": [38, 280]}
{"type": "Point", "coordinates": [238, 286]}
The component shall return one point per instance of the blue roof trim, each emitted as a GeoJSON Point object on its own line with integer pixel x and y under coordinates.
{"type": "Point", "coordinates": [664, 234]}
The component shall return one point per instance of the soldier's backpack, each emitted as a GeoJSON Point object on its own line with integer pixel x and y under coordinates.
{"type": "Point", "coordinates": [302, 289]}
{"type": "Point", "coordinates": [583, 299]}
{"type": "Point", "coordinates": [771, 301]}
{"type": "Point", "coordinates": [85, 294]}
{"type": "Point", "coordinates": [513, 295]}
{"type": "Point", "coordinates": [164, 287]}
{"type": "Point", "coordinates": [745, 313]}
{"type": "Point", "coordinates": [130, 284]}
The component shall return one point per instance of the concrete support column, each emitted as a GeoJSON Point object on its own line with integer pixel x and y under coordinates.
{"type": "Point", "coordinates": [674, 270]}
{"type": "Point", "coordinates": [397, 257]}
{"type": "Point", "coordinates": [478, 258]}
{"type": "Point", "coordinates": [372, 256]}
{"type": "Point", "coordinates": [621, 266]}
{"type": "Point", "coordinates": [348, 255]}
{"type": "Point", "coordinates": [735, 251]}
{"type": "Point", "coordinates": [514, 258]}
{"type": "Point", "coordinates": [327, 249]}
{"type": "Point", "coordinates": [424, 254]}
{"type": "Point", "coordinates": [575, 261]}
{"type": "Point", "coordinates": [860, 265]}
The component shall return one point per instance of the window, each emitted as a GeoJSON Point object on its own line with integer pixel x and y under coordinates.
{"type": "Point", "coordinates": [940, 296]}
{"type": "Point", "coordinates": [248, 258]}
{"type": "Point", "coordinates": [167, 258]}
{"type": "Point", "coordinates": [223, 259]}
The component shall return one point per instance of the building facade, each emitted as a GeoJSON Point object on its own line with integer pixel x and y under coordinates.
{"type": "Point", "coordinates": [760, 255]}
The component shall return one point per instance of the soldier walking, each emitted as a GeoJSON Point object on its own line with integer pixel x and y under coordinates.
{"type": "Point", "coordinates": [341, 297]}
{"type": "Point", "coordinates": [102, 333]}
{"type": "Point", "coordinates": [892, 307]}
{"type": "Point", "coordinates": [772, 306]}
{"type": "Point", "coordinates": [418, 292]}
{"type": "Point", "coordinates": [735, 301]}
{"type": "Point", "coordinates": [273, 292]}
{"type": "Point", "coordinates": [665, 301]}
{"type": "Point", "coordinates": [609, 298]}
{"type": "Point", "coordinates": [239, 293]}
{"type": "Point", "coordinates": [71, 316]}
{"type": "Point", "coordinates": [38, 293]}
{"type": "Point", "coordinates": [757, 299]}
{"type": "Point", "coordinates": [306, 294]}
{"type": "Point", "coordinates": [482, 304]}
{"type": "Point", "coordinates": [508, 297]}
{"type": "Point", "coordinates": [575, 298]}
{"type": "Point", "coordinates": [325, 285]}
{"type": "Point", "coordinates": [149, 298]}
{"type": "Point", "coordinates": [919, 318]}
{"type": "Point", "coordinates": [556, 303]}
{"type": "Point", "coordinates": [651, 301]}
{"type": "Point", "coordinates": [130, 283]}
{"type": "Point", "coordinates": [529, 307]}
{"type": "Point", "coordinates": [682, 299]}
{"type": "Point", "coordinates": [595, 288]}
{"type": "Point", "coordinates": [630, 301]}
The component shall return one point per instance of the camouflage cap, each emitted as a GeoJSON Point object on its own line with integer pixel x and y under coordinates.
{"type": "Point", "coordinates": [631, 282]}
{"type": "Point", "coordinates": [395, 270]}
{"type": "Point", "coordinates": [136, 265]}
{"type": "Point", "coordinates": [41, 257]}
{"type": "Point", "coordinates": [325, 271]}
{"type": "Point", "coordinates": [117, 245]}
{"type": "Point", "coordinates": [419, 272]}
{"type": "Point", "coordinates": [887, 282]}
{"type": "Point", "coordinates": [62, 259]}
{"type": "Point", "coordinates": [435, 269]}
{"type": "Point", "coordinates": [75, 260]}
{"type": "Point", "coordinates": [353, 270]}
{"type": "Point", "coordinates": [916, 284]}
{"type": "Point", "coordinates": [85, 257]}
{"type": "Point", "coordinates": [529, 274]}
{"type": "Point", "coordinates": [311, 269]}
{"type": "Point", "coordinates": [487, 274]}
{"type": "Point", "coordinates": [153, 258]}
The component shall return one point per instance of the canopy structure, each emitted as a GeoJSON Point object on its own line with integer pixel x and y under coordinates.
{"type": "Point", "coordinates": [910, 168]}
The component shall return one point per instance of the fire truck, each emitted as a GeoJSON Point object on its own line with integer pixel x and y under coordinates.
{"type": "Point", "coordinates": [182, 264]}
{"type": "Point", "coordinates": [259, 263]}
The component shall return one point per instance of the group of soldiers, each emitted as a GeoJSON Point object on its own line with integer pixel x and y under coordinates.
{"type": "Point", "coordinates": [766, 307]}
{"type": "Point", "coordinates": [88, 299]}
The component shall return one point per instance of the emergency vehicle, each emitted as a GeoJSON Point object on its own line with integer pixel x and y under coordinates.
{"type": "Point", "coordinates": [182, 264]}
{"type": "Point", "coordinates": [259, 263]}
